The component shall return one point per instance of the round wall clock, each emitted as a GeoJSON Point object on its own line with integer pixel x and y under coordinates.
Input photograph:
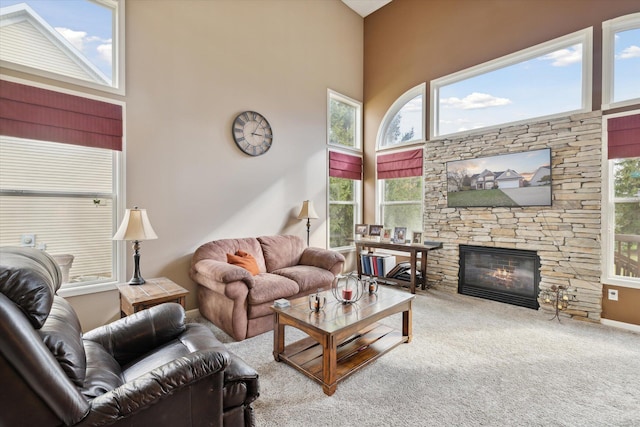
{"type": "Point", "coordinates": [252, 133]}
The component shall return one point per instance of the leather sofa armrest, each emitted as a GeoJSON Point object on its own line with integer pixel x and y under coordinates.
{"type": "Point", "coordinates": [239, 372]}
{"type": "Point", "coordinates": [323, 258]}
{"type": "Point", "coordinates": [209, 270]}
{"type": "Point", "coordinates": [133, 336]}
{"type": "Point", "coordinates": [146, 390]}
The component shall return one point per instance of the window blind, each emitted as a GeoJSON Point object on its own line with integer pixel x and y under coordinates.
{"type": "Point", "coordinates": [401, 164]}
{"type": "Point", "coordinates": [34, 113]}
{"type": "Point", "coordinates": [623, 136]}
{"type": "Point", "coordinates": [343, 165]}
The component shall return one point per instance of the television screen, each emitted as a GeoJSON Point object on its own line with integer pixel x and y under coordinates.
{"type": "Point", "coordinates": [515, 179]}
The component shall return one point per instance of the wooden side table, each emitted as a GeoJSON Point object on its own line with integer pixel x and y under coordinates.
{"type": "Point", "coordinates": [134, 298]}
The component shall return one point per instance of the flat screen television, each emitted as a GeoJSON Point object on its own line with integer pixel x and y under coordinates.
{"type": "Point", "coordinates": [514, 179]}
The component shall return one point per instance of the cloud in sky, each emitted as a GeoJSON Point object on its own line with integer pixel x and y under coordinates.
{"type": "Point", "coordinates": [76, 38]}
{"type": "Point", "coordinates": [475, 101]}
{"type": "Point", "coordinates": [104, 50]}
{"type": "Point", "coordinates": [564, 57]}
{"type": "Point", "coordinates": [630, 52]}
{"type": "Point", "coordinates": [91, 46]}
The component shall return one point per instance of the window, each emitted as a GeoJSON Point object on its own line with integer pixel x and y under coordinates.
{"type": "Point", "coordinates": [621, 61]}
{"type": "Point", "coordinates": [345, 168]}
{"type": "Point", "coordinates": [59, 181]}
{"type": "Point", "coordinates": [74, 41]}
{"type": "Point", "coordinates": [621, 210]}
{"type": "Point", "coordinates": [400, 189]}
{"type": "Point", "coordinates": [404, 122]}
{"type": "Point", "coordinates": [546, 80]}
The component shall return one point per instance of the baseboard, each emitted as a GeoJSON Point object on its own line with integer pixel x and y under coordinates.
{"type": "Point", "coordinates": [193, 312]}
{"type": "Point", "coordinates": [621, 325]}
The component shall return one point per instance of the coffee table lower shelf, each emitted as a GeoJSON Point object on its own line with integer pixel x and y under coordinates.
{"type": "Point", "coordinates": [354, 353]}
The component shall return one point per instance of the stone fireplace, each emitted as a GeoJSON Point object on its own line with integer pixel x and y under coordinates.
{"type": "Point", "coordinates": [566, 235]}
{"type": "Point", "coordinates": [506, 275]}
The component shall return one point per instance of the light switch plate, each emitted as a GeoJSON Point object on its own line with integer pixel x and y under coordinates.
{"type": "Point", "coordinates": [612, 294]}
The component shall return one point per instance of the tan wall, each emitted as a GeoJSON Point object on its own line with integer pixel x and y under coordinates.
{"type": "Point", "coordinates": [191, 67]}
{"type": "Point", "coordinates": [408, 42]}
{"type": "Point", "coordinates": [625, 309]}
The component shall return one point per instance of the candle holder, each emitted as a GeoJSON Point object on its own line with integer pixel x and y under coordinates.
{"type": "Point", "coordinates": [317, 301]}
{"type": "Point", "coordinates": [347, 288]}
{"type": "Point", "coordinates": [370, 285]}
{"type": "Point", "coordinates": [558, 297]}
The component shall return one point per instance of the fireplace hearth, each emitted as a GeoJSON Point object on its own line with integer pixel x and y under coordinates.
{"type": "Point", "coordinates": [506, 275]}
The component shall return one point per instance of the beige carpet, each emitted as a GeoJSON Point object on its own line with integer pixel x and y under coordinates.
{"type": "Point", "coordinates": [472, 362]}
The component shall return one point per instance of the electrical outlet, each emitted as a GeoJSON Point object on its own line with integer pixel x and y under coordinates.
{"type": "Point", "coordinates": [612, 294]}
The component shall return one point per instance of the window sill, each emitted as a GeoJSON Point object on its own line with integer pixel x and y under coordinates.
{"type": "Point", "coordinates": [621, 282]}
{"type": "Point", "coordinates": [74, 291]}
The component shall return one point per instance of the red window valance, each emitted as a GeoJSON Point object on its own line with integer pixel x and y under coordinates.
{"type": "Point", "coordinates": [623, 136]}
{"type": "Point", "coordinates": [34, 113]}
{"type": "Point", "coordinates": [343, 165]}
{"type": "Point", "coordinates": [401, 164]}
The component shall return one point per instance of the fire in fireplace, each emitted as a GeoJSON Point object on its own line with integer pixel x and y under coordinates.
{"type": "Point", "coordinates": [506, 275]}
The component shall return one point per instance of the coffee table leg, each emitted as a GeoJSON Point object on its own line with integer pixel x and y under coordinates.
{"type": "Point", "coordinates": [329, 365]}
{"type": "Point", "coordinates": [278, 337]}
{"type": "Point", "coordinates": [407, 328]}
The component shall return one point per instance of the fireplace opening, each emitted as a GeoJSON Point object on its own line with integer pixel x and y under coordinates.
{"type": "Point", "coordinates": [506, 275]}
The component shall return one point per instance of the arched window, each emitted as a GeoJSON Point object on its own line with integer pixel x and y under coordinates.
{"type": "Point", "coordinates": [404, 122]}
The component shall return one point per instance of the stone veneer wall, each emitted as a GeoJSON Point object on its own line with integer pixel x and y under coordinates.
{"type": "Point", "coordinates": [566, 235]}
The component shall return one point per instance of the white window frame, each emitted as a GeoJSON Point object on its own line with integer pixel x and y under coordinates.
{"type": "Point", "coordinates": [420, 89]}
{"type": "Point", "coordinates": [609, 30]}
{"type": "Point", "coordinates": [119, 248]}
{"type": "Point", "coordinates": [354, 151]}
{"type": "Point", "coordinates": [608, 213]}
{"type": "Point", "coordinates": [380, 194]}
{"type": "Point", "coordinates": [118, 45]}
{"type": "Point", "coordinates": [584, 36]}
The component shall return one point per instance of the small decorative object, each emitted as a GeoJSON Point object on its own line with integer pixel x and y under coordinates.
{"type": "Point", "coordinates": [282, 303]}
{"type": "Point", "coordinates": [347, 288]}
{"type": "Point", "coordinates": [375, 231]}
{"type": "Point", "coordinates": [252, 133]}
{"type": "Point", "coordinates": [558, 297]}
{"type": "Point", "coordinates": [361, 230]}
{"type": "Point", "coordinates": [135, 226]}
{"type": "Point", "coordinates": [416, 237]}
{"type": "Point", "coordinates": [386, 235]}
{"type": "Point", "coordinates": [371, 284]}
{"type": "Point", "coordinates": [399, 234]}
{"type": "Point", "coordinates": [317, 301]}
{"type": "Point", "coordinates": [308, 212]}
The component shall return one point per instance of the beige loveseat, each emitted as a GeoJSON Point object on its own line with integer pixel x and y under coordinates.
{"type": "Point", "coordinates": [237, 301]}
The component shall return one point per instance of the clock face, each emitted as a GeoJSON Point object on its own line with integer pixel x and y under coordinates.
{"type": "Point", "coordinates": [252, 133]}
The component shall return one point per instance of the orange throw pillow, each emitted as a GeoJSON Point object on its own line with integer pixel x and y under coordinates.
{"type": "Point", "coordinates": [244, 260]}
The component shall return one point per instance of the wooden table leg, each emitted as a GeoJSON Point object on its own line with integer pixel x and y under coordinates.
{"type": "Point", "coordinates": [278, 337]}
{"type": "Point", "coordinates": [407, 320]}
{"type": "Point", "coordinates": [329, 364]}
{"type": "Point", "coordinates": [423, 269]}
{"type": "Point", "coordinates": [413, 272]}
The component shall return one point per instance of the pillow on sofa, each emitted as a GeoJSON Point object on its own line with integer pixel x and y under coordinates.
{"type": "Point", "coordinates": [244, 260]}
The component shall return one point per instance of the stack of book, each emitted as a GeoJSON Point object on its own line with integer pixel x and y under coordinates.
{"type": "Point", "coordinates": [377, 264]}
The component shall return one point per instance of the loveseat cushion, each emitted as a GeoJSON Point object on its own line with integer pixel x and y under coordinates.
{"type": "Point", "coordinates": [29, 277]}
{"type": "Point", "coordinates": [62, 334]}
{"type": "Point", "coordinates": [244, 260]}
{"type": "Point", "coordinates": [269, 287]}
{"type": "Point", "coordinates": [281, 251]}
{"type": "Point", "coordinates": [307, 277]}
{"type": "Point", "coordinates": [218, 250]}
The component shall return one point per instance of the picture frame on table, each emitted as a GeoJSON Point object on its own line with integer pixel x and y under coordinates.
{"type": "Point", "coordinates": [361, 230]}
{"type": "Point", "coordinates": [416, 237]}
{"type": "Point", "coordinates": [386, 235]}
{"type": "Point", "coordinates": [375, 230]}
{"type": "Point", "coordinates": [399, 234]}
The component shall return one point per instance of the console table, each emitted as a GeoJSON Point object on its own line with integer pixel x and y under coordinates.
{"type": "Point", "coordinates": [414, 250]}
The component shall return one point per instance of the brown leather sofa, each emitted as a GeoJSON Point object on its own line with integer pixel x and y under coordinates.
{"type": "Point", "coordinates": [238, 302]}
{"type": "Point", "coordinates": [147, 369]}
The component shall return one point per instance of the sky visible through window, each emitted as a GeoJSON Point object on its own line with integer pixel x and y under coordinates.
{"type": "Point", "coordinates": [627, 65]}
{"type": "Point", "coordinates": [86, 25]}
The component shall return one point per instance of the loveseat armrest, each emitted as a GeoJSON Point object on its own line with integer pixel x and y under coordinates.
{"type": "Point", "coordinates": [323, 258]}
{"type": "Point", "coordinates": [221, 272]}
{"type": "Point", "coordinates": [162, 382]}
{"type": "Point", "coordinates": [135, 335]}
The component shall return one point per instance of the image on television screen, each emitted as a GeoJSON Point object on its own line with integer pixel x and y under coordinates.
{"type": "Point", "coordinates": [515, 179]}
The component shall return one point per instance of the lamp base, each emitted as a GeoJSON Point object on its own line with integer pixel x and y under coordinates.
{"type": "Point", "coordinates": [137, 281]}
{"type": "Point", "coordinates": [137, 278]}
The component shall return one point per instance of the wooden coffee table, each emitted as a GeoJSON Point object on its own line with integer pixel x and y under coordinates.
{"type": "Point", "coordinates": [342, 338]}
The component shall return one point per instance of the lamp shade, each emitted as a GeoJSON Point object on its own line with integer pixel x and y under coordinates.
{"type": "Point", "coordinates": [307, 211]}
{"type": "Point", "coordinates": [135, 226]}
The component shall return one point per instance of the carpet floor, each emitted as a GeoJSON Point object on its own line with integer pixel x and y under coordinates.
{"type": "Point", "coordinates": [472, 362]}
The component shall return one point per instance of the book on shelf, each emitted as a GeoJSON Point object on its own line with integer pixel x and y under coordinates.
{"type": "Point", "coordinates": [377, 264]}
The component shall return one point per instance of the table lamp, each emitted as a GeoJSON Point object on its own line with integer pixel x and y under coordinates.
{"type": "Point", "coordinates": [308, 212]}
{"type": "Point", "coordinates": [135, 226]}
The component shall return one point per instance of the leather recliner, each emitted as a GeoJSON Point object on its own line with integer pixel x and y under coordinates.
{"type": "Point", "coordinates": [150, 368]}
